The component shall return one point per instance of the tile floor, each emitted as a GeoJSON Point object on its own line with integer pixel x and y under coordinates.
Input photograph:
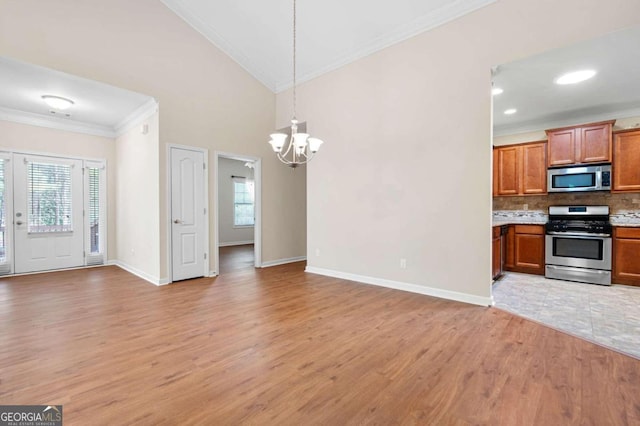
{"type": "Point", "coordinates": [606, 315]}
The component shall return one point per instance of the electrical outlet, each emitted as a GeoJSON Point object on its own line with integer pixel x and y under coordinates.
{"type": "Point", "coordinates": [525, 206]}
{"type": "Point", "coordinates": [317, 252]}
{"type": "Point", "coordinates": [403, 263]}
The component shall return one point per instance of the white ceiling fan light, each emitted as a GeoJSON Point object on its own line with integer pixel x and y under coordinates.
{"type": "Point", "coordinates": [575, 77]}
{"type": "Point", "coordinates": [58, 102]}
{"type": "Point", "coordinates": [510, 111]}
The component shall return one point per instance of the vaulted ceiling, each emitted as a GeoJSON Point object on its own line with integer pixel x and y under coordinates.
{"type": "Point", "coordinates": [330, 33]}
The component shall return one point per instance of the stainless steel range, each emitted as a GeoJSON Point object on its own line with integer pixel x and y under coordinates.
{"type": "Point", "coordinates": [578, 244]}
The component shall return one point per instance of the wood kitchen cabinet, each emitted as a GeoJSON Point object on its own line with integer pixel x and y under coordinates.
{"type": "Point", "coordinates": [626, 256]}
{"type": "Point", "coordinates": [510, 249]}
{"type": "Point", "coordinates": [520, 169]}
{"type": "Point", "coordinates": [496, 253]}
{"type": "Point", "coordinates": [498, 250]}
{"type": "Point", "coordinates": [589, 143]}
{"type": "Point", "coordinates": [525, 249]}
{"type": "Point", "coordinates": [626, 161]}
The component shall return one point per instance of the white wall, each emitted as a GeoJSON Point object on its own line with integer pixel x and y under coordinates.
{"type": "Point", "coordinates": [230, 235]}
{"type": "Point", "coordinates": [206, 99]}
{"type": "Point", "coordinates": [405, 171]}
{"type": "Point", "coordinates": [23, 137]}
{"type": "Point", "coordinates": [137, 198]}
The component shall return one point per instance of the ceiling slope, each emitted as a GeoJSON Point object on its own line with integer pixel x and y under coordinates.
{"type": "Point", "coordinates": [331, 33]}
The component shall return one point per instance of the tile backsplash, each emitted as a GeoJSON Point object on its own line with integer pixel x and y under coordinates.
{"type": "Point", "coordinates": [619, 204]}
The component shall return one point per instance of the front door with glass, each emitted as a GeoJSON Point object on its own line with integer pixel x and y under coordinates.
{"type": "Point", "coordinates": [48, 213]}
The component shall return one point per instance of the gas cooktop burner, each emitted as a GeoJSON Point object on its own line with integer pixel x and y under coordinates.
{"type": "Point", "coordinates": [582, 219]}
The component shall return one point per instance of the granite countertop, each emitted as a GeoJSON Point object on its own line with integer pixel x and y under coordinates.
{"type": "Point", "coordinates": [519, 217]}
{"type": "Point", "coordinates": [626, 224]}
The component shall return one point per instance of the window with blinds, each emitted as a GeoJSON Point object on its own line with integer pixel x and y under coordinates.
{"type": "Point", "coordinates": [94, 209]}
{"type": "Point", "coordinates": [49, 198]}
{"type": "Point", "coordinates": [3, 213]}
{"type": "Point", "coordinates": [243, 203]}
{"type": "Point", "coordinates": [95, 216]}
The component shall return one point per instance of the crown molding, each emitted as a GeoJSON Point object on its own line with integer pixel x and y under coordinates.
{"type": "Point", "coordinates": [143, 112]}
{"type": "Point", "coordinates": [539, 125]}
{"type": "Point", "coordinates": [40, 120]}
{"type": "Point", "coordinates": [208, 32]}
{"type": "Point", "coordinates": [439, 17]}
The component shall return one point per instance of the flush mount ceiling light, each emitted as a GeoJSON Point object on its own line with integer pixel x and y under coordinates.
{"type": "Point", "coordinates": [301, 148]}
{"type": "Point", "coordinates": [510, 111]}
{"type": "Point", "coordinates": [496, 91]}
{"type": "Point", "coordinates": [575, 77]}
{"type": "Point", "coordinates": [57, 102]}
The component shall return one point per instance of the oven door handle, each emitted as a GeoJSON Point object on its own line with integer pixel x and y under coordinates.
{"type": "Point", "coordinates": [568, 268]}
{"type": "Point", "coordinates": [579, 235]}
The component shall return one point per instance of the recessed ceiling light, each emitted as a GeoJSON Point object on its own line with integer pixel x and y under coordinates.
{"type": "Point", "coordinates": [510, 111]}
{"type": "Point", "coordinates": [57, 102]}
{"type": "Point", "coordinates": [496, 91]}
{"type": "Point", "coordinates": [575, 77]}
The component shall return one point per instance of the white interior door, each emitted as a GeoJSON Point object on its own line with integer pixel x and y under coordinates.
{"type": "Point", "coordinates": [187, 214]}
{"type": "Point", "coordinates": [47, 217]}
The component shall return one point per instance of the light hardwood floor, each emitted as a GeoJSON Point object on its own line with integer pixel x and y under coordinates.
{"type": "Point", "coordinates": [278, 346]}
{"type": "Point", "coordinates": [233, 258]}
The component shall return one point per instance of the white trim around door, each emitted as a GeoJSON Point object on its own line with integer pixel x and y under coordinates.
{"type": "Point", "coordinates": [257, 206]}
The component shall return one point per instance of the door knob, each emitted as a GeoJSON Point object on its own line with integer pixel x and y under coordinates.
{"type": "Point", "coordinates": [177, 221]}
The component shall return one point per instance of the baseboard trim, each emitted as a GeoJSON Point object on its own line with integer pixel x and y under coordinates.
{"type": "Point", "coordinates": [398, 285]}
{"type": "Point", "coordinates": [235, 243]}
{"type": "Point", "coordinates": [140, 274]}
{"type": "Point", "coordinates": [47, 271]}
{"type": "Point", "coordinates": [283, 261]}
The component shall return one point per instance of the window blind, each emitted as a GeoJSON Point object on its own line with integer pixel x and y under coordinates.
{"type": "Point", "coordinates": [3, 213]}
{"type": "Point", "coordinates": [49, 198]}
{"type": "Point", "coordinates": [94, 209]}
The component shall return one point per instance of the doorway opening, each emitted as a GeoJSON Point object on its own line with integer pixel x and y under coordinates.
{"type": "Point", "coordinates": [238, 212]}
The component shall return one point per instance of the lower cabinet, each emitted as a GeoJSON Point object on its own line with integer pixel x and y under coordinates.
{"type": "Point", "coordinates": [498, 250]}
{"type": "Point", "coordinates": [626, 256]}
{"type": "Point", "coordinates": [496, 253]}
{"type": "Point", "coordinates": [525, 249]}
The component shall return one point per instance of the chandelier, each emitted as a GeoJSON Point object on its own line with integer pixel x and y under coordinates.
{"type": "Point", "coordinates": [301, 148]}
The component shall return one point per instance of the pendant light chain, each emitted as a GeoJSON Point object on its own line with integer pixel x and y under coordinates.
{"type": "Point", "coordinates": [294, 59]}
{"type": "Point", "coordinates": [300, 148]}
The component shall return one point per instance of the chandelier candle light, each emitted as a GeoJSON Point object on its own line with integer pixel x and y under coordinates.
{"type": "Point", "coordinates": [301, 148]}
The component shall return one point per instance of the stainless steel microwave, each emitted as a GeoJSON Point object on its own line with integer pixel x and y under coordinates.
{"type": "Point", "coordinates": [580, 178]}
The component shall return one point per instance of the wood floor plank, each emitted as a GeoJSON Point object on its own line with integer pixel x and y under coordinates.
{"type": "Point", "coordinates": [279, 346]}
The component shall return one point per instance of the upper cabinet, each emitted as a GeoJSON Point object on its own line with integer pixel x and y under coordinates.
{"type": "Point", "coordinates": [626, 161]}
{"type": "Point", "coordinates": [589, 143]}
{"type": "Point", "coordinates": [520, 169]}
